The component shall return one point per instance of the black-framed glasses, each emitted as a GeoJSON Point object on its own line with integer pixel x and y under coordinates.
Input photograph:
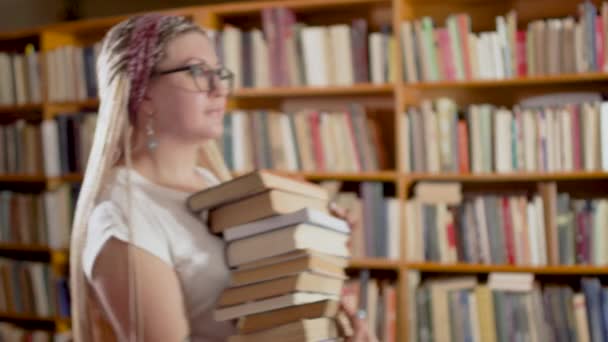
{"type": "Point", "coordinates": [205, 78]}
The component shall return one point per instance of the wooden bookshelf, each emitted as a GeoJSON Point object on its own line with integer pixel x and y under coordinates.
{"type": "Point", "coordinates": [477, 268]}
{"type": "Point", "coordinates": [396, 95]}
{"type": "Point", "coordinates": [512, 82]}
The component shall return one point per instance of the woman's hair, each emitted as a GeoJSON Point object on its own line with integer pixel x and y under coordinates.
{"type": "Point", "coordinates": [129, 53]}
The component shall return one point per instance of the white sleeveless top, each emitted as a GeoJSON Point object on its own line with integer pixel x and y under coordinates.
{"type": "Point", "coordinates": [163, 226]}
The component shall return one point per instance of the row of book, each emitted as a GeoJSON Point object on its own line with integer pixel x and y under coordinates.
{"type": "Point", "coordinates": [287, 256]}
{"type": "Point", "coordinates": [67, 142]}
{"type": "Point", "coordinates": [20, 77]}
{"type": "Point", "coordinates": [376, 216]}
{"type": "Point", "coordinates": [306, 140]}
{"type": "Point", "coordinates": [437, 137]}
{"type": "Point", "coordinates": [53, 147]}
{"type": "Point", "coordinates": [31, 288]}
{"type": "Point", "coordinates": [71, 73]}
{"type": "Point", "coordinates": [285, 52]}
{"type": "Point", "coordinates": [10, 332]}
{"type": "Point", "coordinates": [544, 228]}
{"type": "Point", "coordinates": [545, 47]}
{"type": "Point", "coordinates": [378, 297]}
{"type": "Point", "coordinates": [38, 219]}
{"type": "Point", "coordinates": [509, 307]}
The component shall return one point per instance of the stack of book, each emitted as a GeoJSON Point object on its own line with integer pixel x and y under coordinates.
{"type": "Point", "coordinates": [287, 256]}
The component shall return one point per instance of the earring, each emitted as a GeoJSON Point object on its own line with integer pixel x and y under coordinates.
{"type": "Point", "coordinates": [151, 141]}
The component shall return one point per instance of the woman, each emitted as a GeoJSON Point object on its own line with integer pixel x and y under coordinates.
{"type": "Point", "coordinates": [140, 263]}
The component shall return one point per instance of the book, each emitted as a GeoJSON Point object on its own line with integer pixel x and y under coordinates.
{"type": "Point", "coordinates": [302, 282]}
{"type": "Point", "coordinates": [285, 240]}
{"type": "Point", "coordinates": [261, 206]}
{"type": "Point", "coordinates": [547, 46]}
{"type": "Point", "coordinates": [266, 320]}
{"type": "Point", "coordinates": [274, 303]}
{"type": "Point", "coordinates": [560, 132]}
{"type": "Point", "coordinates": [315, 263]}
{"type": "Point", "coordinates": [296, 254]}
{"type": "Point", "coordinates": [307, 330]}
{"type": "Point", "coordinates": [306, 215]}
{"type": "Point", "coordinates": [250, 184]}
{"type": "Point", "coordinates": [295, 53]}
{"type": "Point", "coordinates": [318, 138]}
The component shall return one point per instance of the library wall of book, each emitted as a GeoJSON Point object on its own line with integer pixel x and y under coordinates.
{"type": "Point", "coordinates": [469, 140]}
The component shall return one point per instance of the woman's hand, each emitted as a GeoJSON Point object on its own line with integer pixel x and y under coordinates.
{"type": "Point", "coordinates": [343, 214]}
{"type": "Point", "coordinates": [358, 324]}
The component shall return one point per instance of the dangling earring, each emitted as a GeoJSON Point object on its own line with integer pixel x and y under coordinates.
{"type": "Point", "coordinates": [151, 141]}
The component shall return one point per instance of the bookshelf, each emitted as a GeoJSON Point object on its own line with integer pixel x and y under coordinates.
{"type": "Point", "coordinates": [397, 95]}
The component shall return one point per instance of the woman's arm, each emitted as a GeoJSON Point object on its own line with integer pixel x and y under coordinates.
{"type": "Point", "coordinates": [161, 313]}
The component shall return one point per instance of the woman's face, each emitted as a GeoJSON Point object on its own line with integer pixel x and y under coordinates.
{"type": "Point", "coordinates": [181, 110]}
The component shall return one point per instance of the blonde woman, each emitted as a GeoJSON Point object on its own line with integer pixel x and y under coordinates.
{"type": "Point", "coordinates": [142, 267]}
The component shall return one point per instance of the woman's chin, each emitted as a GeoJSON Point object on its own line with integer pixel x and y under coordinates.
{"type": "Point", "coordinates": [213, 133]}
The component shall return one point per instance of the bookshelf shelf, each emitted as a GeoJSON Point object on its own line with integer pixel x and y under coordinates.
{"type": "Point", "coordinates": [21, 178]}
{"type": "Point", "coordinates": [475, 268]}
{"type": "Point", "coordinates": [48, 323]}
{"type": "Point", "coordinates": [507, 177]}
{"type": "Point", "coordinates": [386, 176]}
{"type": "Point", "coordinates": [374, 264]}
{"type": "Point", "coordinates": [357, 89]}
{"type": "Point", "coordinates": [29, 248]}
{"type": "Point", "coordinates": [256, 6]}
{"type": "Point", "coordinates": [33, 107]}
{"type": "Point", "coordinates": [34, 252]}
{"type": "Point", "coordinates": [72, 177]}
{"type": "Point", "coordinates": [84, 104]}
{"type": "Point", "coordinates": [512, 82]}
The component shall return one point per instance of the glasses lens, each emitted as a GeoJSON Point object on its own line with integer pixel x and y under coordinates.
{"type": "Point", "coordinates": [225, 80]}
{"type": "Point", "coordinates": [220, 80]}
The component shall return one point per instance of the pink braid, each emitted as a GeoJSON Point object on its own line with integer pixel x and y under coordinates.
{"type": "Point", "coordinates": [142, 44]}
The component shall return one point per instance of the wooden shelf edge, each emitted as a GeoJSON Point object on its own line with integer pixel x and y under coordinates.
{"type": "Point", "coordinates": [22, 178]}
{"type": "Point", "coordinates": [29, 318]}
{"type": "Point", "coordinates": [374, 264]}
{"type": "Point", "coordinates": [477, 268]}
{"type": "Point", "coordinates": [254, 7]}
{"type": "Point", "coordinates": [520, 81]}
{"type": "Point", "coordinates": [88, 103]}
{"type": "Point", "coordinates": [32, 248]}
{"type": "Point", "coordinates": [29, 107]}
{"type": "Point", "coordinates": [388, 176]}
{"type": "Point", "coordinates": [506, 177]}
{"type": "Point", "coordinates": [356, 89]}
